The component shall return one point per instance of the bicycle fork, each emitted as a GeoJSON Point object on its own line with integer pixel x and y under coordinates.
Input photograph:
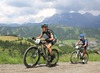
{"type": "Point", "coordinates": [77, 52]}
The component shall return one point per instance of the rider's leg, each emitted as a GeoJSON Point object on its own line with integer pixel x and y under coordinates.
{"type": "Point", "coordinates": [84, 52]}
{"type": "Point", "coordinates": [50, 45]}
{"type": "Point", "coordinates": [49, 48]}
{"type": "Point", "coordinates": [50, 51]}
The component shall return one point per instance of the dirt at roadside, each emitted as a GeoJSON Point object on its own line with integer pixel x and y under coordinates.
{"type": "Point", "coordinates": [91, 67]}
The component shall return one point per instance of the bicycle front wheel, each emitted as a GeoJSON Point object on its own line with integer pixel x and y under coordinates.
{"type": "Point", "coordinates": [31, 57]}
{"type": "Point", "coordinates": [74, 57]}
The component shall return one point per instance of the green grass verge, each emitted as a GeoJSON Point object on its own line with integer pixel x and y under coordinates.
{"type": "Point", "coordinates": [6, 59]}
{"type": "Point", "coordinates": [66, 57]}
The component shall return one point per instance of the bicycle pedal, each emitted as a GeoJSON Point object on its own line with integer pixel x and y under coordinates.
{"type": "Point", "coordinates": [52, 58]}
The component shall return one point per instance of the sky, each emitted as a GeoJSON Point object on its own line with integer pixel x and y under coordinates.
{"type": "Point", "coordinates": [35, 11]}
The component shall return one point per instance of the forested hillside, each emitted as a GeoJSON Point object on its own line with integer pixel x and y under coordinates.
{"type": "Point", "coordinates": [63, 32]}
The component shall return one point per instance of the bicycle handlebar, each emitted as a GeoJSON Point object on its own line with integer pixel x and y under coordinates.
{"type": "Point", "coordinates": [41, 41]}
{"type": "Point", "coordinates": [79, 44]}
{"type": "Point", "coordinates": [33, 38]}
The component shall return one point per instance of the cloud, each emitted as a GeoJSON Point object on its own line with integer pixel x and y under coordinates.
{"type": "Point", "coordinates": [20, 11]}
{"type": "Point", "coordinates": [19, 3]}
{"type": "Point", "coordinates": [76, 5]}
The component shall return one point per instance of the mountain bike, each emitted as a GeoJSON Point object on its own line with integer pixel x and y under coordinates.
{"type": "Point", "coordinates": [32, 54]}
{"type": "Point", "coordinates": [78, 55]}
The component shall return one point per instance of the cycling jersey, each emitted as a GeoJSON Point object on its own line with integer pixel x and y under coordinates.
{"type": "Point", "coordinates": [49, 32]}
{"type": "Point", "coordinates": [84, 41]}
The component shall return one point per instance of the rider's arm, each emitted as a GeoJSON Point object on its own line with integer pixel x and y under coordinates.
{"type": "Point", "coordinates": [52, 37]}
{"type": "Point", "coordinates": [78, 42]}
{"type": "Point", "coordinates": [40, 36]}
{"type": "Point", "coordinates": [85, 44]}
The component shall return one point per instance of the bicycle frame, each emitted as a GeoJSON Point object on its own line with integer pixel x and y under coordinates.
{"type": "Point", "coordinates": [78, 50]}
{"type": "Point", "coordinates": [41, 46]}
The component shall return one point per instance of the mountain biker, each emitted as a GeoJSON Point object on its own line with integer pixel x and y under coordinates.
{"type": "Point", "coordinates": [51, 40]}
{"type": "Point", "coordinates": [84, 43]}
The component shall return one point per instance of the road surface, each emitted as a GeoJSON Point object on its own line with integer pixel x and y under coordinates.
{"type": "Point", "coordinates": [91, 67]}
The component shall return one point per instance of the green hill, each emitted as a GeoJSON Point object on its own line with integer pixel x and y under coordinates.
{"type": "Point", "coordinates": [63, 32]}
{"type": "Point", "coordinates": [14, 44]}
{"type": "Point", "coordinates": [9, 38]}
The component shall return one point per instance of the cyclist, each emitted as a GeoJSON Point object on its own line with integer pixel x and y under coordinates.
{"type": "Point", "coordinates": [84, 43]}
{"type": "Point", "coordinates": [51, 40]}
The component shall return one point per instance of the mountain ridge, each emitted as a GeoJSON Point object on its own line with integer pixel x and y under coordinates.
{"type": "Point", "coordinates": [75, 19]}
{"type": "Point", "coordinates": [86, 20]}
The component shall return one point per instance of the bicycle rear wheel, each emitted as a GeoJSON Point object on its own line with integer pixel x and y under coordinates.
{"type": "Point", "coordinates": [85, 58]}
{"type": "Point", "coordinates": [74, 57]}
{"type": "Point", "coordinates": [31, 57]}
{"type": "Point", "coordinates": [56, 58]}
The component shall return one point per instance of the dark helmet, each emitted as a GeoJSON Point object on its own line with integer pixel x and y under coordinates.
{"type": "Point", "coordinates": [44, 25]}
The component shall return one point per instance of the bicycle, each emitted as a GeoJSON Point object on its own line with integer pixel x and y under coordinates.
{"type": "Point", "coordinates": [32, 54]}
{"type": "Point", "coordinates": [78, 55]}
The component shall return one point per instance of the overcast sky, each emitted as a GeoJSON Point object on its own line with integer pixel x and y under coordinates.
{"type": "Point", "coordinates": [23, 11]}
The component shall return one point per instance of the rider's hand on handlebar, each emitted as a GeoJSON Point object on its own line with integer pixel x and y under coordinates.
{"type": "Point", "coordinates": [76, 44]}
{"type": "Point", "coordinates": [33, 38]}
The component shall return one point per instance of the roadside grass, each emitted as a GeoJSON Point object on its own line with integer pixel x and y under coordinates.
{"type": "Point", "coordinates": [94, 57]}
{"type": "Point", "coordinates": [64, 58]}
{"type": "Point", "coordinates": [5, 58]}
